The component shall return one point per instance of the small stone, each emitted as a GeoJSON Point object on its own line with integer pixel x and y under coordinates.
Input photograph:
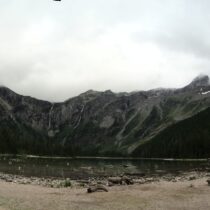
{"type": "Point", "coordinates": [191, 186]}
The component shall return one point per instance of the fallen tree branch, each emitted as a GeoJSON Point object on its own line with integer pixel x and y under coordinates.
{"type": "Point", "coordinates": [97, 188]}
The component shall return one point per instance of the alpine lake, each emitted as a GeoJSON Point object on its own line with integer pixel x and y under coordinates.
{"type": "Point", "coordinates": [88, 167]}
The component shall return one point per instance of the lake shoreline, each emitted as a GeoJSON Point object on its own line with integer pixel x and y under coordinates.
{"type": "Point", "coordinates": [100, 158]}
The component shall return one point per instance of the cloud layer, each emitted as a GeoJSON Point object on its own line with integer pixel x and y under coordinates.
{"type": "Point", "coordinates": [56, 50]}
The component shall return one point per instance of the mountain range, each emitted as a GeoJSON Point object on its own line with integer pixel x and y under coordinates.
{"type": "Point", "coordinates": [161, 122]}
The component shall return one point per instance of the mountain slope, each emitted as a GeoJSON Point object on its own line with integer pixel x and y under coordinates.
{"type": "Point", "coordinates": [189, 138]}
{"type": "Point", "coordinates": [96, 123]}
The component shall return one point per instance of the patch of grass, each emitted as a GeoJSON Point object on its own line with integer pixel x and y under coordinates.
{"type": "Point", "coordinates": [66, 183]}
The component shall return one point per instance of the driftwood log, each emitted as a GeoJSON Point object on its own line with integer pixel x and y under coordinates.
{"type": "Point", "coordinates": [120, 180]}
{"type": "Point", "coordinates": [97, 188]}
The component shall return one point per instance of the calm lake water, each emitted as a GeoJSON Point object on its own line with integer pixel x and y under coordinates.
{"type": "Point", "coordinates": [84, 168]}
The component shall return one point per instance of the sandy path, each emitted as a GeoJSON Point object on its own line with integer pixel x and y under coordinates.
{"type": "Point", "coordinates": [159, 196]}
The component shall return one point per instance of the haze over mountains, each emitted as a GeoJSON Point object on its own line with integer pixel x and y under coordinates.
{"type": "Point", "coordinates": [154, 123]}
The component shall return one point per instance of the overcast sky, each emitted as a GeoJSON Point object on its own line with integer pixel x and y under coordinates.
{"type": "Point", "coordinates": [55, 50]}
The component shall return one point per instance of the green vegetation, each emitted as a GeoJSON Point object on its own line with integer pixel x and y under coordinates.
{"type": "Point", "coordinates": [20, 139]}
{"type": "Point", "coordinates": [66, 183]}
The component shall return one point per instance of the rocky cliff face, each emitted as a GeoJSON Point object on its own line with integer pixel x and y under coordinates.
{"type": "Point", "coordinates": [97, 123]}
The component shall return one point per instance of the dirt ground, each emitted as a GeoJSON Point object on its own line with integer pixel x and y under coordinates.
{"type": "Point", "coordinates": [161, 195]}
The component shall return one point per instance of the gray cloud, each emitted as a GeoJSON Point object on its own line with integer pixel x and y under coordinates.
{"type": "Point", "coordinates": [185, 28]}
{"type": "Point", "coordinates": [55, 50]}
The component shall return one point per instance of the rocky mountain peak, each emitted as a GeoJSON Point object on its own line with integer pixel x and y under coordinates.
{"type": "Point", "coordinates": [89, 92]}
{"type": "Point", "coordinates": [201, 80]}
{"type": "Point", "coordinates": [3, 88]}
{"type": "Point", "coordinates": [6, 92]}
{"type": "Point", "coordinates": [89, 95]}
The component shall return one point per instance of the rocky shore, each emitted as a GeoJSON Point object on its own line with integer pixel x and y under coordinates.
{"type": "Point", "coordinates": [124, 179]}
